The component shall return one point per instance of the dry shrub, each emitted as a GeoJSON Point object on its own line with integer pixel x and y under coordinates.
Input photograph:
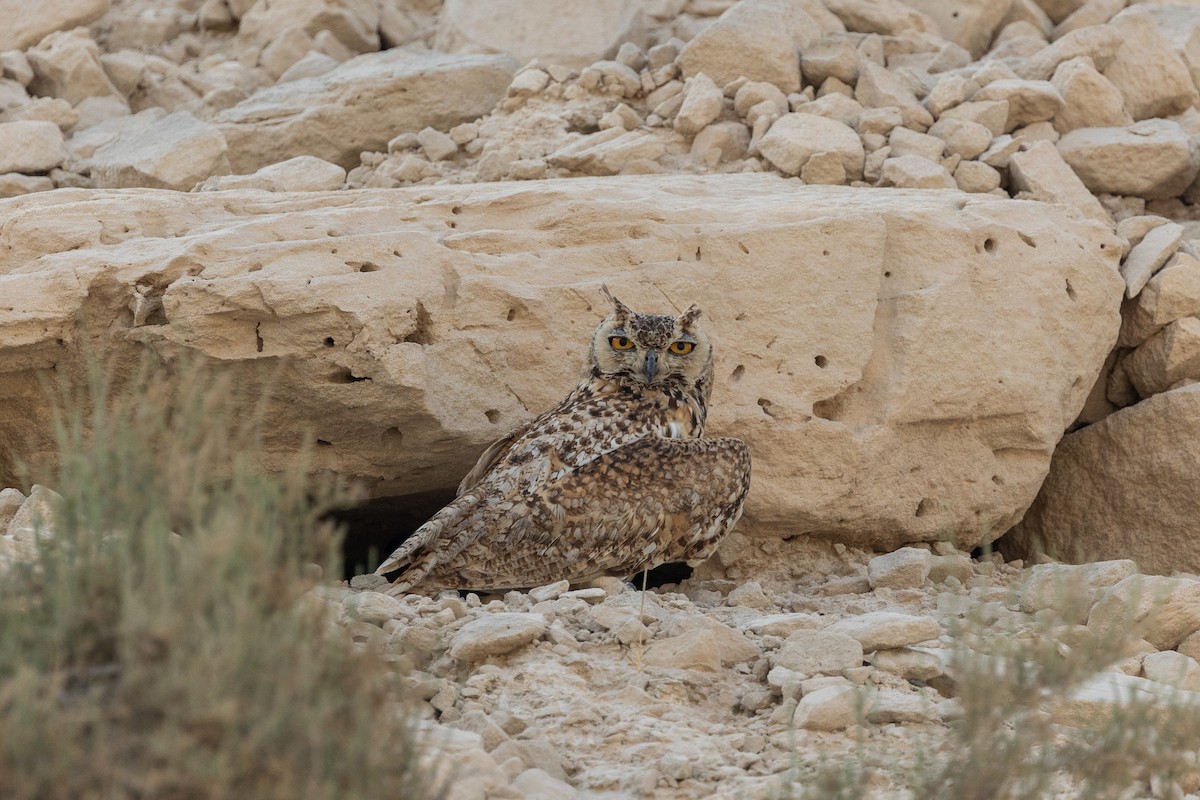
{"type": "Point", "coordinates": [1009, 743]}
{"type": "Point", "coordinates": [165, 643]}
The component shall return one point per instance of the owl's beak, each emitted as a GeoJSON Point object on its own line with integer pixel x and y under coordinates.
{"type": "Point", "coordinates": [651, 367]}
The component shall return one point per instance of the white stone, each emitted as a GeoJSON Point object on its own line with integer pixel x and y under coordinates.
{"type": "Point", "coordinates": [10, 503]}
{"type": "Point", "coordinates": [694, 649]}
{"type": "Point", "coordinates": [783, 624]}
{"type": "Point", "coordinates": [299, 174]}
{"type": "Point", "coordinates": [1166, 358]}
{"type": "Point", "coordinates": [26, 23]}
{"type": "Point", "coordinates": [311, 65]}
{"type": "Point", "coordinates": [550, 591]}
{"type": "Point", "coordinates": [905, 143]}
{"type": "Point", "coordinates": [969, 23]}
{"type": "Point", "coordinates": [831, 56]}
{"type": "Point", "coordinates": [702, 104]}
{"type": "Point", "coordinates": [608, 152]}
{"type": "Point", "coordinates": [36, 517]}
{"type": "Point", "coordinates": [882, 630]}
{"type": "Point", "coordinates": [1172, 669]}
{"type": "Point", "coordinates": [286, 49]}
{"type": "Point", "coordinates": [1154, 159]}
{"type": "Point", "coordinates": [176, 152]}
{"type": "Point", "coordinates": [1150, 75]}
{"type": "Point", "coordinates": [962, 137]}
{"type": "Point", "coordinates": [796, 137]}
{"type": "Point", "coordinates": [1090, 100]}
{"type": "Point", "coordinates": [750, 595]}
{"type": "Point", "coordinates": [991, 114]}
{"type": "Point", "coordinates": [731, 646]}
{"type": "Point", "coordinates": [1173, 293]}
{"type": "Point", "coordinates": [728, 139]}
{"type": "Point", "coordinates": [824, 169]}
{"type": "Point", "coordinates": [30, 147]}
{"type": "Point", "coordinates": [819, 652]}
{"type": "Point", "coordinates": [1109, 696]}
{"type": "Point", "coordinates": [529, 82]}
{"type": "Point", "coordinates": [537, 784]}
{"type": "Point", "coordinates": [1092, 12]}
{"type": "Point", "coordinates": [352, 23]}
{"type": "Point", "coordinates": [495, 635]}
{"type": "Point", "coordinates": [1163, 611]}
{"type": "Point", "coordinates": [975, 176]}
{"type": "Point", "coordinates": [1041, 172]}
{"type": "Point", "coordinates": [375, 608]}
{"type": "Point", "coordinates": [1071, 589]}
{"type": "Point", "coordinates": [892, 705]}
{"type": "Point", "coordinates": [360, 106]}
{"type": "Point", "coordinates": [438, 146]}
{"type": "Point", "coordinates": [905, 568]}
{"type": "Point", "coordinates": [1149, 255]}
{"type": "Point", "coordinates": [1100, 43]}
{"type": "Point", "coordinates": [911, 665]}
{"type": "Point", "coordinates": [760, 40]}
{"type": "Point", "coordinates": [1028, 101]}
{"type": "Point", "coordinates": [832, 708]}
{"type": "Point", "coordinates": [573, 33]}
{"type": "Point", "coordinates": [835, 106]}
{"type": "Point", "coordinates": [67, 65]}
{"type": "Point", "coordinates": [879, 88]}
{"type": "Point", "coordinates": [915, 172]}
{"type": "Point", "coordinates": [14, 184]}
{"type": "Point", "coordinates": [44, 109]}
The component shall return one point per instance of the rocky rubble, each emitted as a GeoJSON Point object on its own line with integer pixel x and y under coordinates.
{"type": "Point", "coordinates": [718, 689]}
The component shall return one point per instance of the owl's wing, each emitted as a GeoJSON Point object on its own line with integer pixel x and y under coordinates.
{"type": "Point", "coordinates": [494, 452]}
{"type": "Point", "coordinates": [648, 502]}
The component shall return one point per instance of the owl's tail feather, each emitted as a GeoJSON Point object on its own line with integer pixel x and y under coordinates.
{"type": "Point", "coordinates": [426, 547]}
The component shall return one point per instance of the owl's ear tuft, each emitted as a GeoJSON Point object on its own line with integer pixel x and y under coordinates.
{"type": "Point", "coordinates": [688, 318]}
{"type": "Point", "coordinates": [621, 310]}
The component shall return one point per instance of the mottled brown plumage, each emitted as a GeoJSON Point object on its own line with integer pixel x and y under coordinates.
{"type": "Point", "coordinates": [615, 479]}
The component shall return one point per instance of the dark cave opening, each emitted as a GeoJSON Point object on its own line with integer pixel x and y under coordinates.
{"type": "Point", "coordinates": [376, 527]}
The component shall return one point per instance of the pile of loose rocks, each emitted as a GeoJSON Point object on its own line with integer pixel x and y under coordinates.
{"type": "Point", "coordinates": [733, 690]}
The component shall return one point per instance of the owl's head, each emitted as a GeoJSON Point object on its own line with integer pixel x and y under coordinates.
{"type": "Point", "coordinates": [651, 348]}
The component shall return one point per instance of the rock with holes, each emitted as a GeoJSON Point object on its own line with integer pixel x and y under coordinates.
{"type": "Point", "coordinates": [871, 346]}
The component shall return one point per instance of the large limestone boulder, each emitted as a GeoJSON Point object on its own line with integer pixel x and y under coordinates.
{"type": "Point", "coordinates": [361, 105]}
{"type": "Point", "coordinates": [901, 363]}
{"type": "Point", "coordinates": [1123, 488]}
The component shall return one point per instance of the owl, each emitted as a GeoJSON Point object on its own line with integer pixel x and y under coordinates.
{"type": "Point", "coordinates": [615, 479]}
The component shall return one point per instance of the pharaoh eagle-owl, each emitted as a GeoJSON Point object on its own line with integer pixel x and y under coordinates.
{"type": "Point", "coordinates": [615, 479]}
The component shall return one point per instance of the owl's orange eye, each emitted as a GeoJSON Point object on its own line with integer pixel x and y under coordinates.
{"type": "Point", "coordinates": [682, 348]}
{"type": "Point", "coordinates": [620, 343]}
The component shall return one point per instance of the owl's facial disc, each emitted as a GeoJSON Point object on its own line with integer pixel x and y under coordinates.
{"type": "Point", "coordinates": [649, 348]}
